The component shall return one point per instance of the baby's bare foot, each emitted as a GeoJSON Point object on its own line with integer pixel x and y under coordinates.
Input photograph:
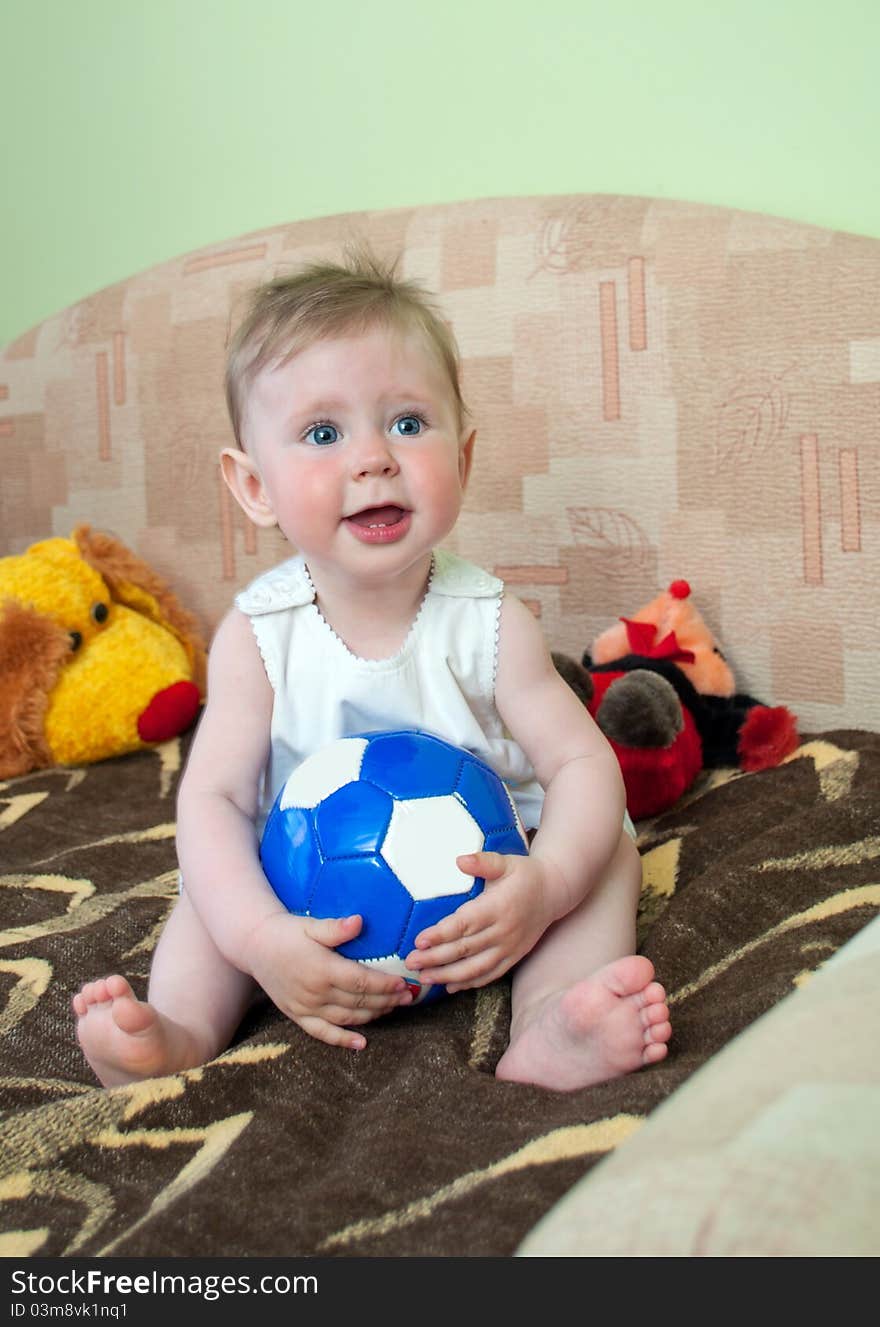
{"type": "Point", "coordinates": [603, 1027]}
{"type": "Point", "coordinates": [125, 1039]}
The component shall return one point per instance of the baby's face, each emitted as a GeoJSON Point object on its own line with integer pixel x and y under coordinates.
{"type": "Point", "coordinates": [359, 451]}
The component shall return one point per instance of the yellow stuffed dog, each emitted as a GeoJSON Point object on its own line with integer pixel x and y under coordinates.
{"type": "Point", "coordinates": [97, 656]}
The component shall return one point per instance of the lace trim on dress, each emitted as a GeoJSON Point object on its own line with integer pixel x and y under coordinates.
{"type": "Point", "coordinates": [392, 660]}
{"type": "Point", "coordinates": [266, 654]}
{"type": "Point", "coordinates": [497, 636]}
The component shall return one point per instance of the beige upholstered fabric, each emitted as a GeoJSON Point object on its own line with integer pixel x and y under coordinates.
{"type": "Point", "coordinates": [661, 390]}
{"type": "Point", "coordinates": [770, 1150]}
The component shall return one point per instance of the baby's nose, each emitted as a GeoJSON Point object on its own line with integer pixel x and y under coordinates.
{"type": "Point", "coordinates": [374, 456]}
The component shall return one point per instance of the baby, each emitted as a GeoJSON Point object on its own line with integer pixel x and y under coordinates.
{"type": "Point", "coordinates": [343, 391]}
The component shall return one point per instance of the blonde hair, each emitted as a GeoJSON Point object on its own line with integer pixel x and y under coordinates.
{"type": "Point", "coordinates": [325, 300]}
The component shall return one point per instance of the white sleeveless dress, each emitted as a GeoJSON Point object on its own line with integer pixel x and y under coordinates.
{"type": "Point", "coordinates": [442, 678]}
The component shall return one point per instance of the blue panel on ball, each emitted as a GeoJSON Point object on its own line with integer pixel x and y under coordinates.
{"type": "Point", "coordinates": [484, 795]}
{"type": "Point", "coordinates": [412, 764]}
{"type": "Point", "coordinates": [289, 855]}
{"type": "Point", "coordinates": [367, 886]}
{"type": "Point", "coordinates": [353, 820]}
{"type": "Point", "coordinates": [426, 912]}
{"type": "Point", "coordinates": [507, 841]}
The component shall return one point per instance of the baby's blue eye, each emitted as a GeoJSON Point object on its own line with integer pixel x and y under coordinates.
{"type": "Point", "coordinates": [322, 434]}
{"type": "Point", "coordinates": [408, 426]}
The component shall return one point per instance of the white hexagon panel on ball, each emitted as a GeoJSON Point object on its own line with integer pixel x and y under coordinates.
{"type": "Point", "coordinates": [324, 773]}
{"type": "Point", "coordinates": [424, 838]}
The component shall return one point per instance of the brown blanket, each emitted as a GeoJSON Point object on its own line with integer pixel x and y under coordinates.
{"type": "Point", "coordinates": [284, 1146]}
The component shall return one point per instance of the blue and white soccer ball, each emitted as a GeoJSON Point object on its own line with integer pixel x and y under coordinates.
{"type": "Point", "coordinates": [373, 824]}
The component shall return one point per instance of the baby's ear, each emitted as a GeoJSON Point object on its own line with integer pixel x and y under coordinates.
{"type": "Point", "coordinates": [244, 483]}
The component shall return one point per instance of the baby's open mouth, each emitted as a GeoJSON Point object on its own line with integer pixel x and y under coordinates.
{"type": "Point", "coordinates": [379, 525]}
{"type": "Point", "coordinates": [377, 518]}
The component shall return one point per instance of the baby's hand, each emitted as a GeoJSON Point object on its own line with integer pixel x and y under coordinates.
{"type": "Point", "coordinates": [483, 938]}
{"type": "Point", "coordinates": [292, 959]}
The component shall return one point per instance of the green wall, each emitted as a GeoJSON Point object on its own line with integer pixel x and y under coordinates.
{"type": "Point", "coordinates": [138, 131]}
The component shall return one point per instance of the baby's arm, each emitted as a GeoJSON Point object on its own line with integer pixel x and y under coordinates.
{"type": "Point", "coordinates": [585, 799]}
{"type": "Point", "coordinates": [580, 824]}
{"type": "Point", "coordinates": [291, 958]}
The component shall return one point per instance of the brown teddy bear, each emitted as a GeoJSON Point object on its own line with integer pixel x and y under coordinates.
{"type": "Point", "coordinates": [97, 656]}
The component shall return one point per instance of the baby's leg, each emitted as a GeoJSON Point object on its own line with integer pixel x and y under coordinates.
{"type": "Point", "coordinates": [586, 1007]}
{"type": "Point", "coordinates": [196, 1000]}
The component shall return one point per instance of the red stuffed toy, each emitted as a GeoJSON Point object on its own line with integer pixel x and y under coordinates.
{"type": "Point", "coordinates": [661, 690]}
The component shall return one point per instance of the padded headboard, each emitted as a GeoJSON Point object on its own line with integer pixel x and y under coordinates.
{"type": "Point", "coordinates": [660, 389]}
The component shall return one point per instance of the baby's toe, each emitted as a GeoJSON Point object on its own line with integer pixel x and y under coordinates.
{"type": "Point", "coordinates": [658, 1033]}
{"type": "Point", "coordinates": [655, 1013]}
{"type": "Point", "coordinates": [117, 986]}
{"type": "Point", "coordinates": [91, 992]}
